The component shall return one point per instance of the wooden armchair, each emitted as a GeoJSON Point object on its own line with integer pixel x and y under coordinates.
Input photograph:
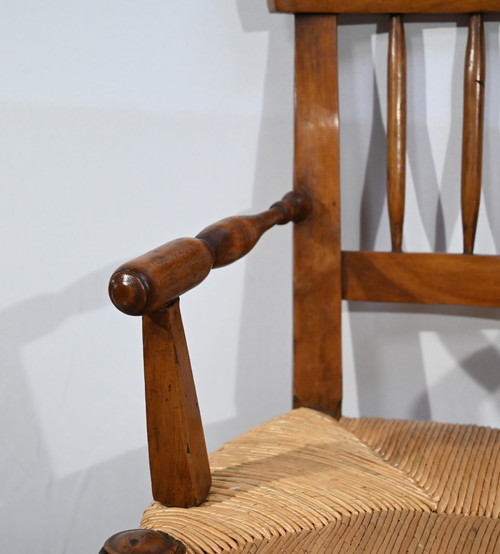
{"type": "Point", "coordinates": [312, 480]}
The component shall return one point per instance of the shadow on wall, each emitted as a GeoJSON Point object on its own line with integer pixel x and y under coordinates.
{"type": "Point", "coordinates": [421, 164]}
{"type": "Point", "coordinates": [433, 193]}
{"type": "Point", "coordinates": [491, 148]}
{"type": "Point", "coordinates": [392, 376]}
{"type": "Point", "coordinates": [263, 381]}
{"type": "Point", "coordinates": [77, 512]}
{"type": "Point", "coordinates": [62, 514]}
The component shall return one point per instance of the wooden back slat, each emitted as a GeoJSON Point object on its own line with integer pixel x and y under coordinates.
{"type": "Point", "coordinates": [473, 129]}
{"type": "Point", "coordinates": [317, 275]}
{"type": "Point", "coordinates": [422, 278]}
{"type": "Point", "coordinates": [396, 130]}
{"type": "Point", "coordinates": [383, 6]}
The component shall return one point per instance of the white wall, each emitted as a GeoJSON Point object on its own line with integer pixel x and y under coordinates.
{"type": "Point", "coordinates": [125, 124]}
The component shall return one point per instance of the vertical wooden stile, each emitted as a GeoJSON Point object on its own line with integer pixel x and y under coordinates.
{"type": "Point", "coordinates": [472, 146]}
{"type": "Point", "coordinates": [317, 275]}
{"type": "Point", "coordinates": [180, 472]}
{"type": "Point", "coordinates": [396, 130]}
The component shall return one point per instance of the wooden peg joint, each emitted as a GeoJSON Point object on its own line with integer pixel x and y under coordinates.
{"type": "Point", "coordinates": [296, 205]}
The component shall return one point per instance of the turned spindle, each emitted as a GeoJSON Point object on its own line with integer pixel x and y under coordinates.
{"type": "Point", "coordinates": [148, 283]}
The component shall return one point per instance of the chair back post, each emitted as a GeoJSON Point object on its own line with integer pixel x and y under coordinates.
{"type": "Point", "coordinates": [317, 255]}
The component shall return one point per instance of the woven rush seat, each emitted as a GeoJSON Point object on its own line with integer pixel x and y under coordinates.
{"type": "Point", "coordinates": [354, 485]}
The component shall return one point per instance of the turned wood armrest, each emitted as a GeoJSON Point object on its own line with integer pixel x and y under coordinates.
{"type": "Point", "coordinates": [150, 285]}
{"type": "Point", "coordinates": [150, 282]}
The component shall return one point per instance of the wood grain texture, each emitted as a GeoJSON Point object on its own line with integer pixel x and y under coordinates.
{"type": "Point", "coordinates": [317, 284]}
{"type": "Point", "coordinates": [383, 6]}
{"type": "Point", "coordinates": [472, 146]}
{"type": "Point", "coordinates": [233, 237]}
{"type": "Point", "coordinates": [396, 130]}
{"type": "Point", "coordinates": [180, 473]}
{"type": "Point", "coordinates": [148, 283]}
{"type": "Point", "coordinates": [142, 541]}
{"type": "Point", "coordinates": [423, 278]}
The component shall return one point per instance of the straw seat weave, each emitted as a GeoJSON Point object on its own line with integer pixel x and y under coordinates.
{"type": "Point", "coordinates": [307, 483]}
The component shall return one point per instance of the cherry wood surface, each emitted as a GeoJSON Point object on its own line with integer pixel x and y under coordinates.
{"type": "Point", "coordinates": [396, 130]}
{"type": "Point", "coordinates": [142, 541]}
{"type": "Point", "coordinates": [148, 283]}
{"type": "Point", "coordinates": [383, 6]}
{"type": "Point", "coordinates": [180, 473]}
{"type": "Point", "coordinates": [425, 278]}
{"type": "Point", "coordinates": [317, 285]}
{"type": "Point", "coordinates": [472, 149]}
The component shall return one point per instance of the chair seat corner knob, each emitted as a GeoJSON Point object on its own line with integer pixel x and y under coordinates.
{"type": "Point", "coordinates": [142, 541]}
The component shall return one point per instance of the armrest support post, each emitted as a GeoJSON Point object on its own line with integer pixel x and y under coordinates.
{"type": "Point", "coordinates": [180, 472]}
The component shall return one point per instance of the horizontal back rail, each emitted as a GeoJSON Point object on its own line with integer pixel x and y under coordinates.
{"type": "Point", "coordinates": [383, 6]}
{"type": "Point", "coordinates": [421, 278]}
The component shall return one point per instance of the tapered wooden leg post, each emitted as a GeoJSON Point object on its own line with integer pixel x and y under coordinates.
{"type": "Point", "coordinates": [142, 541]}
{"type": "Point", "coordinates": [180, 472]}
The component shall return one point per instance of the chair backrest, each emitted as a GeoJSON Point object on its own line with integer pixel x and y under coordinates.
{"type": "Point", "coordinates": [324, 275]}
